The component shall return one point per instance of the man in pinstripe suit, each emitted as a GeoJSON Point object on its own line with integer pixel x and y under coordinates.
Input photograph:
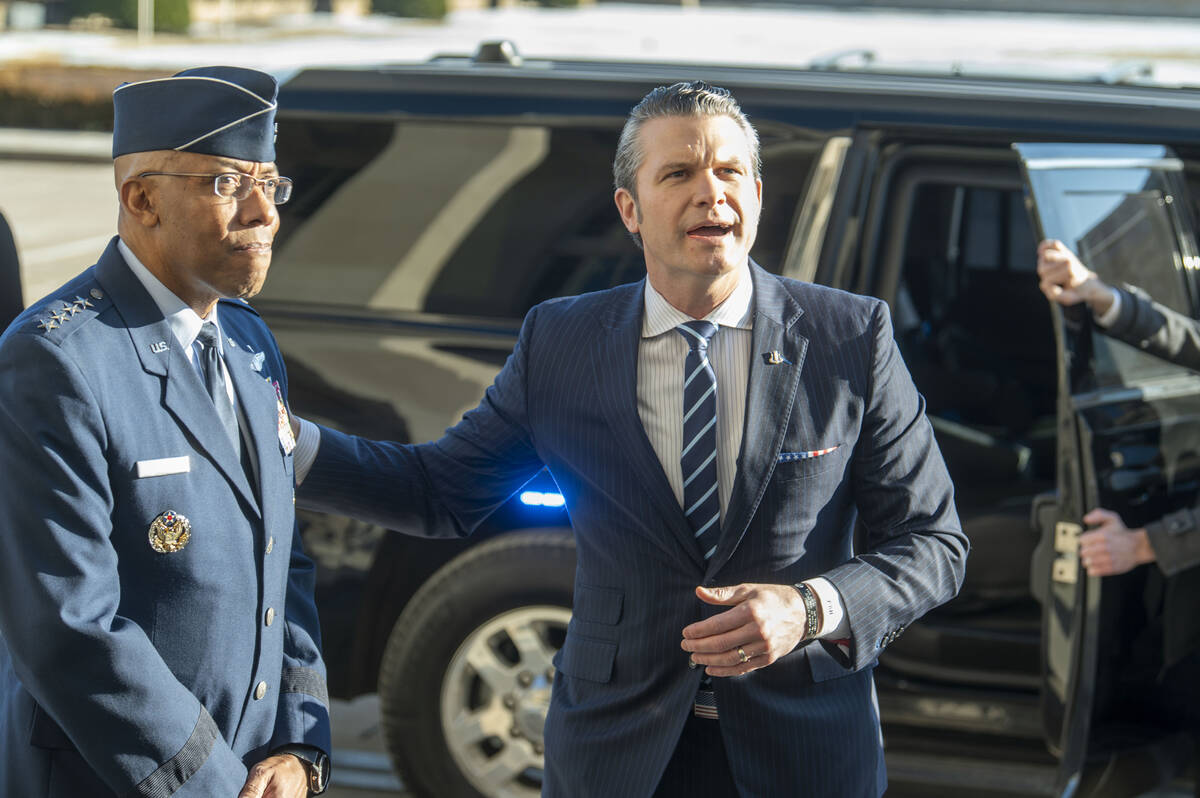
{"type": "Point", "coordinates": [724, 628]}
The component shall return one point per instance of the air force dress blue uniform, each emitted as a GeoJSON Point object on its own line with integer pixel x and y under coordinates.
{"type": "Point", "coordinates": [825, 377]}
{"type": "Point", "coordinates": [156, 609]}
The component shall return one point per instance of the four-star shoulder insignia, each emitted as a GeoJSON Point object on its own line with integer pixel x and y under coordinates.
{"type": "Point", "coordinates": [65, 311]}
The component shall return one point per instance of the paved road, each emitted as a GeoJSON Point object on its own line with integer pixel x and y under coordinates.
{"type": "Point", "coordinates": [361, 768]}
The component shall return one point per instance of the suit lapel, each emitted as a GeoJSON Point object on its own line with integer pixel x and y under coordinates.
{"type": "Point", "coordinates": [260, 411]}
{"type": "Point", "coordinates": [615, 364]}
{"type": "Point", "coordinates": [184, 395]}
{"type": "Point", "coordinates": [770, 398]}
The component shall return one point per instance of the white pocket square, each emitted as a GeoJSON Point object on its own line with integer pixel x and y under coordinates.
{"type": "Point", "coordinates": [164, 466]}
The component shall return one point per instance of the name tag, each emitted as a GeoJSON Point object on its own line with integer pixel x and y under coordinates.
{"type": "Point", "coordinates": [164, 466]}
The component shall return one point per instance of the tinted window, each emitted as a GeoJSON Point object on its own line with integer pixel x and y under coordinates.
{"type": "Point", "coordinates": [1121, 222]}
{"type": "Point", "coordinates": [471, 219]}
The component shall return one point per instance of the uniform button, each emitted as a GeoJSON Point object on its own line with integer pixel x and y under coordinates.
{"type": "Point", "coordinates": [260, 691]}
{"type": "Point", "coordinates": [270, 544]}
{"type": "Point", "coordinates": [270, 615]}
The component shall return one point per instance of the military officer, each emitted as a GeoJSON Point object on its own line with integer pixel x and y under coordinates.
{"type": "Point", "coordinates": [159, 635]}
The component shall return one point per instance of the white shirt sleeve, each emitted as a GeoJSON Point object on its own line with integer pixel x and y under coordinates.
{"type": "Point", "coordinates": [305, 453]}
{"type": "Point", "coordinates": [834, 625]}
{"type": "Point", "coordinates": [1110, 316]}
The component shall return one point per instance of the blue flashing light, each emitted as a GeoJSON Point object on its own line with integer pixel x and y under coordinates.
{"type": "Point", "coordinates": [536, 498]}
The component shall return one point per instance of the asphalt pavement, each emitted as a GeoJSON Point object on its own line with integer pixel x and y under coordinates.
{"type": "Point", "coordinates": [361, 765]}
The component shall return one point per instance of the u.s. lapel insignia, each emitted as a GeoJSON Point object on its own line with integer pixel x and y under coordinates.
{"type": "Point", "coordinates": [169, 532]}
{"type": "Point", "coordinates": [286, 439]}
{"type": "Point", "coordinates": [158, 347]}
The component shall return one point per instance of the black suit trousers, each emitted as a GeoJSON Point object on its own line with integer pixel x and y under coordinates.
{"type": "Point", "coordinates": [699, 768]}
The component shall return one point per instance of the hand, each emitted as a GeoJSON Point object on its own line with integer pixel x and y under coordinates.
{"type": "Point", "coordinates": [765, 621]}
{"type": "Point", "coordinates": [1111, 547]}
{"type": "Point", "coordinates": [281, 776]}
{"type": "Point", "coordinates": [1065, 280]}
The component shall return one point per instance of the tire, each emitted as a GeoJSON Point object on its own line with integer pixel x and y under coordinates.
{"type": "Point", "coordinates": [465, 679]}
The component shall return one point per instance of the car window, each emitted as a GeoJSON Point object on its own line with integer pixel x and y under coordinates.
{"type": "Point", "coordinates": [1121, 222]}
{"type": "Point", "coordinates": [471, 219]}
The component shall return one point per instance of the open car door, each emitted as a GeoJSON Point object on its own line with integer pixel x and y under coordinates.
{"type": "Point", "coordinates": [1128, 441]}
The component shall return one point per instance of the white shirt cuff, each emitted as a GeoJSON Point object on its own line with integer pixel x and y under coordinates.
{"type": "Point", "coordinates": [1110, 316]}
{"type": "Point", "coordinates": [834, 625]}
{"type": "Point", "coordinates": [305, 453]}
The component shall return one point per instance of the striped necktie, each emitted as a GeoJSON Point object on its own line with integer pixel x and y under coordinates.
{"type": "Point", "coordinates": [214, 380]}
{"type": "Point", "coordinates": [701, 501]}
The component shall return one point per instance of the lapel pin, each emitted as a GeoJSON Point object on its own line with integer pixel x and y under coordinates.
{"type": "Point", "coordinates": [158, 347]}
{"type": "Point", "coordinates": [257, 360]}
{"type": "Point", "coordinates": [774, 358]}
{"type": "Point", "coordinates": [96, 293]}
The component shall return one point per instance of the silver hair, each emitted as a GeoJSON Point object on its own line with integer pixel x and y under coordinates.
{"type": "Point", "coordinates": [695, 98]}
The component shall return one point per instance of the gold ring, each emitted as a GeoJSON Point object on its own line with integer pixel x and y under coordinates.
{"type": "Point", "coordinates": [742, 654]}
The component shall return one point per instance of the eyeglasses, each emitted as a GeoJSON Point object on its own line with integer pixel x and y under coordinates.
{"type": "Point", "coordinates": [236, 185]}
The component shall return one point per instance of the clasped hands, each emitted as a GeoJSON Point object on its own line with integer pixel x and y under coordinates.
{"type": "Point", "coordinates": [764, 621]}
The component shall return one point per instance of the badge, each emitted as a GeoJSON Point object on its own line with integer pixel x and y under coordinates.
{"type": "Point", "coordinates": [286, 439]}
{"type": "Point", "coordinates": [169, 532]}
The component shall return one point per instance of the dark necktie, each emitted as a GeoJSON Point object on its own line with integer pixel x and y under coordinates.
{"type": "Point", "coordinates": [210, 367]}
{"type": "Point", "coordinates": [701, 500]}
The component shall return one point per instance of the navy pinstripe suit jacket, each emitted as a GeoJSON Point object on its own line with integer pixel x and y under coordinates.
{"type": "Point", "coordinates": [806, 725]}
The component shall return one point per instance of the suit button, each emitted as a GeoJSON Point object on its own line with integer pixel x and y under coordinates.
{"type": "Point", "coordinates": [270, 544]}
{"type": "Point", "coordinates": [270, 619]}
{"type": "Point", "coordinates": [260, 691]}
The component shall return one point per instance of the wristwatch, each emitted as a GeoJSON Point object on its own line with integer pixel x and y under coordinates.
{"type": "Point", "coordinates": [315, 762]}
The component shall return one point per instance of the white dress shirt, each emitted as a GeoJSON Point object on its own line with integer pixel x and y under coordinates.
{"type": "Point", "coordinates": [661, 355]}
{"type": "Point", "coordinates": [185, 323]}
{"type": "Point", "coordinates": [1109, 317]}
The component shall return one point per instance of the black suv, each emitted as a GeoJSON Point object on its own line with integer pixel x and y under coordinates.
{"type": "Point", "coordinates": [437, 203]}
